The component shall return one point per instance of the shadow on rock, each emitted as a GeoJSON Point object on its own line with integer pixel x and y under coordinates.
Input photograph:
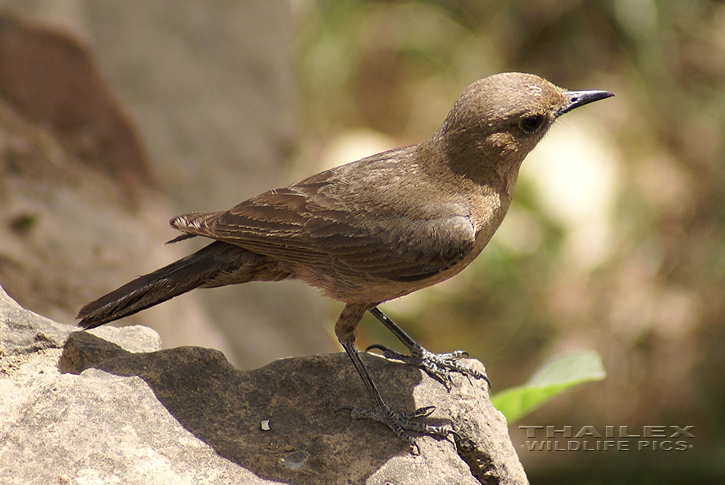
{"type": "Point", "coordinates": [297, 398]}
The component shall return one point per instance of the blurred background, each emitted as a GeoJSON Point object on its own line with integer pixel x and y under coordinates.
{"type": "Point", "coordinates": [615, 240]}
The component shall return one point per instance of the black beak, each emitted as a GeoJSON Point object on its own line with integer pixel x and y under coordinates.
{"type": "Point", "coordinates": [580, 98]}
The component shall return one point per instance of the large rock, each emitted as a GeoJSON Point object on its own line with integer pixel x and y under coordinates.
{"type": "Point", "coordinates": [87, 89]}
{"type": "Point", "coordinates": [107, 406]}
{"type": "Point", "coordinates": [78, 213]}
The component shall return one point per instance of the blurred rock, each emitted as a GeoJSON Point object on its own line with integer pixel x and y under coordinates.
{"type": "Point", "coordinates": [95, 411]}
{"type": "Point", "coordinates": [50, 78]}
{"type": "Point", "coordinates": [210, 90]}
{"type": "Point", "coordinates": [77, 204]}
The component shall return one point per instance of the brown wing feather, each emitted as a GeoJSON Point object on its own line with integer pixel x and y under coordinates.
{"type": "Point", "coordinates": [303, 224]}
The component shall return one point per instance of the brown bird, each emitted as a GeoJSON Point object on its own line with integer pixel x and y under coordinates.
{"type": "Point", "coordinates": [375, 229]}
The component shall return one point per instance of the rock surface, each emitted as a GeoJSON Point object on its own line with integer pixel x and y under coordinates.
{"type": "Point", "coordinates": [78, 213]}
{"type": "Point", "coordinates": [107, 406]}
{"type": "Point", "coordinates": [87, 89]}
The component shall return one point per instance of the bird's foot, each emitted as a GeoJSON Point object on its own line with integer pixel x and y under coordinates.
{"type": "Point", "coordinates": [402, 422]}
{"type": "Point", "coordinates": [438, 366]}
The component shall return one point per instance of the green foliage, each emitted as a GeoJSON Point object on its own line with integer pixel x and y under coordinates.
{"type": "Point", "coordinates": [553, 378]}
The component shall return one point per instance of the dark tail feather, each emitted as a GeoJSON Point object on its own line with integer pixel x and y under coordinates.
{"type": "Point", "coordinates": [163, 284]}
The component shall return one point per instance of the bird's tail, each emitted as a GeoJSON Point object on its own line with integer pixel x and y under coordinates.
{"type": "Point", "coordinates": [199, 269]}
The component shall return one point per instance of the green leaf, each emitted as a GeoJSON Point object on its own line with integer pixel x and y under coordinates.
{"type": "Point", "coordinates": [554, 377]}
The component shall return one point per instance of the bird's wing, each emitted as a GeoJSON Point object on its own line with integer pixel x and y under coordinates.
{"type": "Point", "coordinates": [301, 224]}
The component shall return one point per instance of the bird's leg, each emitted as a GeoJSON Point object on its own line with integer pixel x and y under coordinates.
{"type": "Point", "coordinates": [398, 422]}
{"type": "Point", "coordinates": [439, 366]}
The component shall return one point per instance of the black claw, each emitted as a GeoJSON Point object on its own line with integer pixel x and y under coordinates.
{"type": "Point", "coordinates": [376, 346]}
{"type": "Point", "coordinates": [345, 408]}
{"type": "Point", "coordinates": [488, 383]}
{"type": "Point", "coordinates": [456, 354]}
{"type": "Point", "coordinates": [424, 412]}
{"type": "Point", "coordinates": [454, 438]}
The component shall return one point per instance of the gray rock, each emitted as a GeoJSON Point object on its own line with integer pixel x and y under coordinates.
{"type": "Point", "coordinates": [24, 332]}
{"type": "Point", "coordinates": [209, 89]}
{"type": "Point", "coordinates": [78, 215]}
{"type": "Point", "coordinates": [81, 408]}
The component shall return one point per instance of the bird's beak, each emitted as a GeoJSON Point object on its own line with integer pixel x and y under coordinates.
{"type": "Point", "coordinates": [580, 98]}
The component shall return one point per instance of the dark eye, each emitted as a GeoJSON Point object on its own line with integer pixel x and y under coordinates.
{"type": "Point", "coordinates": [530, 124]}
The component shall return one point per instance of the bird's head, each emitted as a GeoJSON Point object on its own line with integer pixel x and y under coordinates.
{"type": "Point", "coordinates": [498, 120]}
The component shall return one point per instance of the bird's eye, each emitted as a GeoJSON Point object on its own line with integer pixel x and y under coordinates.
{"type": "Point", "coordinates": [530, 124]}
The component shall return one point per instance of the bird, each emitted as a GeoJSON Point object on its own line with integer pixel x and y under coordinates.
{"type": "Point", "coordinates": [375, 229]}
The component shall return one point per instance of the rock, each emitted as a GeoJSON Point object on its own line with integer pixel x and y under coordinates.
{"type": "Point", "coordinates": [51, 78]}
{"type": "Point", "coordinates": [79, 215]}
{"type": "Point", "coordinates": [22, 332]}
{"type": "Point", "coordinates": [79, 407]}
{"type": "Point", "coordinates": [98, 102]}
